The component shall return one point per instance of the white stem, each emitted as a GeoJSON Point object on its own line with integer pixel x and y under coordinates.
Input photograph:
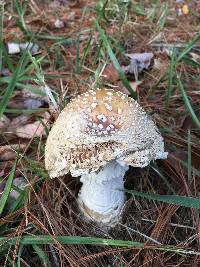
{"type": "Point", "coordinates": [100, 198]}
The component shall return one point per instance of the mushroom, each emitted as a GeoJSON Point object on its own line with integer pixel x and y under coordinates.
{"type": "Point", "coordinates": [97, 136]}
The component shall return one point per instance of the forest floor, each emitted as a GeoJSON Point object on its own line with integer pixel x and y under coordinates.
{"type": "Point", "coordinates": [81, 45]}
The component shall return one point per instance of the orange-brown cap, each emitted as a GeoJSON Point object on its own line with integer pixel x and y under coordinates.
{"type": "Point", "coordinates": [98, 127]}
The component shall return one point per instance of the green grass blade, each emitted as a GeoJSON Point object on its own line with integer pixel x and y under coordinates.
{"type": "Point", "coordinates": [7, 59]}
{"type": "Point", "coordinates": [20, 201]}
{"type": "Point", "coordinates": [191, 62]}
{"type": "Point", "coordinates": [11, 86]}
{"type": "Point", "coordinates": [185, 164]}
{"type": "Point", "coordinates": [20, 78]}
{"type": "Point", "coordinates": [1, 33]}
{"type": "Point", "coordinates": [29, 68]}
{"type": "Point", "coordinates": [35, 167]}
{"type": "Point", "coordinates": [7, 188]}
{"type": "Point", "coordinates": [170, 78]}
{"type": "Point", "coordinates": [81, 240]}
{"type": "Point", "coordinates": [42, 255]}
{"type": "Point", "coordinates": [189, 158]}
{"type": "Point", "coordinates": [86, 51]}
{"type": "Point", "coordinates": [165, 180]}
{"type": "Point", "coordinates": [187, 49]}
{"type": "Point", "coordinates": [187, 103]}
{"type": "Point", "coordinates": [187, 202]}
{"type": "Point", "coordinates": [154, 10]}
{"type": "Point", "coordinates": [163, 16]}
{"type": "Point", "coordinates": [25, 111]}
{"type": "Point", "coordinates": [19, 254]}
{"type": "Point", "coordinates": [115, 61]}
{"type": "Point", "coordinates": [32, 88]}
{"type": "Point", "coordinates": [21, 10]}
{"type": "Point", "coordinates": [77, 64]}
{"type": "Point", "coordinates": [182, 56]}
{"type": "Point", "coordinates": [139, 9]}
{"type": "Point", "coordinates": [70, 240]}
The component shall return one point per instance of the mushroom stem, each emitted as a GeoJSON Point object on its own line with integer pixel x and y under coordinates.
{"type": "Point", "coordinates": [100, 198]}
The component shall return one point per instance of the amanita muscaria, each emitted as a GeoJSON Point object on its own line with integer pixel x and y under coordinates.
{"type": "Point", "coordinates": [98, 136]}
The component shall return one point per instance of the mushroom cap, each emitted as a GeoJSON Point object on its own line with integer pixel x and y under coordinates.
{"type": "Point", "coordinates": [98, 127]}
